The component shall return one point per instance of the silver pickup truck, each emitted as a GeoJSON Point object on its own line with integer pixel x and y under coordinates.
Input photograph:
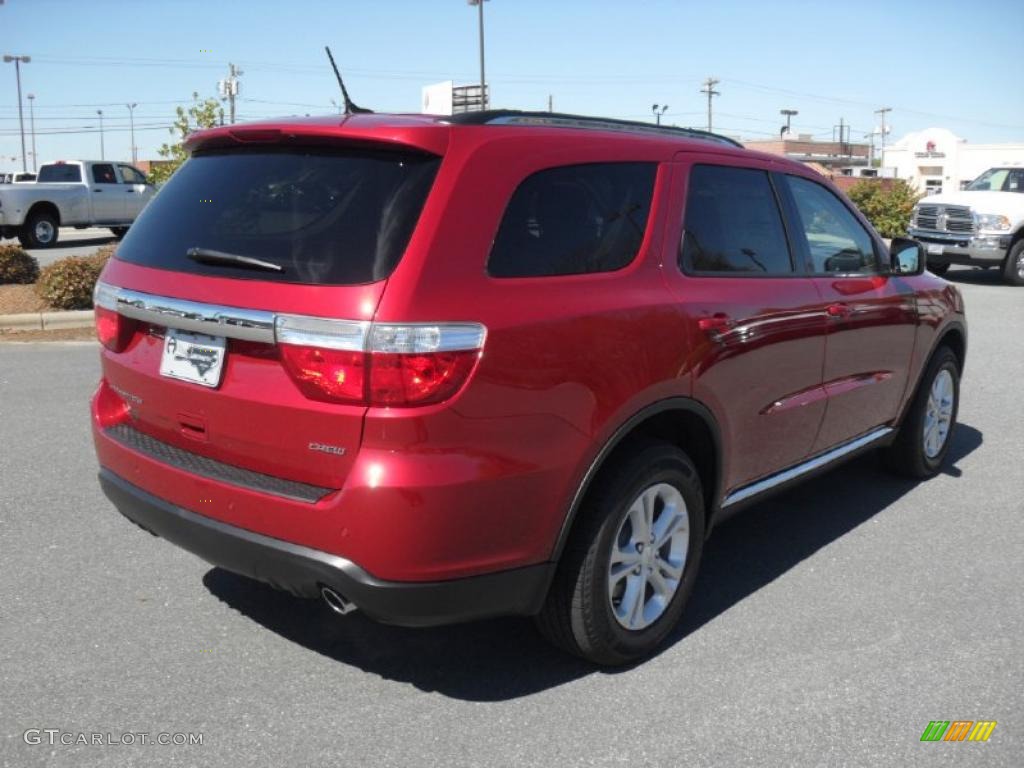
{"type": "Point", "coordinates": [80, 193]}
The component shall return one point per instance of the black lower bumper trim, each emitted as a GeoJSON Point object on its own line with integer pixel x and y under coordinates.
{"type": "Point", "coordinates": [302, 570]}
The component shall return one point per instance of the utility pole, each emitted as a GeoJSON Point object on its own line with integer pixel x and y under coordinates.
{"type": "Point", "coordinates": [131, 119]}
{"type": "Point", "coordinates": [709, 89]}
{"type": "Point", "coordinates": [32, 122]}
{"type": "Point", "coordinates": [551, 103]}
{"type": "Point", "coordinates": [788, 114]}
{"type": "Point", "coordinates": [881, 112]}
{"type": "Point", "coordinates": [102, 153]}
{"type": "Point", "coordinates": [480, 24]}
{"type": "Point", "coordinates": [229, 88]}
{"type": "Point", "coordinates": [658, 111]}
{"type": "Point", "coordinates": [18, 61]}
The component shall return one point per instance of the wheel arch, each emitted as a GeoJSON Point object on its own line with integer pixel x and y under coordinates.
{"type": "Point", "coordinates": [954, 336]}
{"type": "Point", "coordinates": [681, 421]}
{"type": "Point", "coordinates": [43, 206]}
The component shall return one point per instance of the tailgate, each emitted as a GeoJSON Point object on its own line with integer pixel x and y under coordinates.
{"type": "Point", "coordinates": [255, 418]}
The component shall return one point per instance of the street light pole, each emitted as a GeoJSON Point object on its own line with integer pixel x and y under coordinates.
{"type": "Point", "coordinates": [18, 61]}
{"type": "Point", "coordinates": [131, 121]}
{"type": "Point", "coordinates": [102, 153]}
{"type": "Point", "coordinates": [32, 122]}
{"type": "Point", "coordinates": [658, 111]}
{"type": "Point", "coordinates": [480, 23]}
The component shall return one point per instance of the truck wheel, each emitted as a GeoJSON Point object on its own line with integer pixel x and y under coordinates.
{"type": "Point", "coordinates": [927, 430]}
{"type": "Point", "coordinates": [1013, 269]}
{"type": "Point", "coordinates": [39, 231]}
{"type": "Point", "coordinates": [938, 269]}
{"type": "Point", "coordinates": [119, 232]}
{"type": "Point", "coordinates": [631, 560]}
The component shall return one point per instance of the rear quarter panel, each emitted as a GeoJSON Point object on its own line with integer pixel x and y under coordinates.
{"type": "Point", "coordinates": [566, 360]}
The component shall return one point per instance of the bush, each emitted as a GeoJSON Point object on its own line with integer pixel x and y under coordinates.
{"type": "Point", "coordinates": [888, 209]}
{"type": "Point", "coordinates": [68, 283]}
{"type": "Point", "coordinates": [16, 266]}
{"type": "Point", "coordinates": [102, 256]}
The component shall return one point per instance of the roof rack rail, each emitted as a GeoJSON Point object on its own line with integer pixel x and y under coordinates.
{"type": "Point", "coordinates": [562, 120]}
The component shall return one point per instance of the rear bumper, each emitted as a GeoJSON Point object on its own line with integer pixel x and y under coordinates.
{"type": "Point", "coordinates": [302, 570]}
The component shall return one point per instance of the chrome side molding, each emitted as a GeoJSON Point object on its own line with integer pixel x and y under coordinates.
{"type": "Point", "coordinates": [821, 460]}
{"type": "Point", "coordinates": [211, 319]}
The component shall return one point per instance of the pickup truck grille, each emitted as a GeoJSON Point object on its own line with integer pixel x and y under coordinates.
{"type": "Point", "coordinates": [945, 218]}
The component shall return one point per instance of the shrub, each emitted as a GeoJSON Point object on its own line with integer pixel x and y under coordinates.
{"type": "Point", "coordinates": [16, 266]}
{"type": "Point", "coordinates": [888, 209]}
{"type": "Point", "coordinates": [68, 283]}
{"type": "Point", "coordinates": [102, 256]}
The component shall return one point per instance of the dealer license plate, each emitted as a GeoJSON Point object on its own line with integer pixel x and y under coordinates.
{"type": "Point", "coordinates": [193, 357]}
{"type": "Point", "coordinates": [935, 248]}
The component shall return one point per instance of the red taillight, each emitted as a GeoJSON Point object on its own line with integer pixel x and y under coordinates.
{"type": "Point", "coordinates": [333, 375]}
{"type": "Point", "coordinates": [379, 364]}
{"type": "Point", "coordinates": [113, 330]}
{"type": "Point", "coordinates": [407, 379]}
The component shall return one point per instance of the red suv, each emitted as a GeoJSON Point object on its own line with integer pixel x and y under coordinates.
{"type": "Point", "coordinates": [440, 369]}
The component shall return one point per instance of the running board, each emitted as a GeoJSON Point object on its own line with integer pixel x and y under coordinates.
{"type": "Point", "coordinates": [819, 461]}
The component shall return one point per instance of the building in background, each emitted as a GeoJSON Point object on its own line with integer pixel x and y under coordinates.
{"type": "Point", "coordinates": [449, 99]}
{"type": "Point", "coordinates": [832, 155]}
{"type": "Point", "coordinates": [936, 160]}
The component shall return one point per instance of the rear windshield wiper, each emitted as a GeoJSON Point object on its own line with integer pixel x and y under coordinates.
{"type": "Point", "coordinates": [206, 256]}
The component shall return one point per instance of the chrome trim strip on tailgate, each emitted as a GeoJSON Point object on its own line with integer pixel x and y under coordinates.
{"type": "Point", "coordinates": [211, 319]}
{"type": "Point", "coordinates": [810, 465]}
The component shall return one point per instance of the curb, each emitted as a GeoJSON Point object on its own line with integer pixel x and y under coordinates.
{"type": "Point", "coordinates": [46, 321]}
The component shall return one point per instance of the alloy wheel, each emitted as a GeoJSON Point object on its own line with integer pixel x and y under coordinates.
{"type": "Point", "coordinates": [938, 414]}
{"type": "Point", "coordinates": [648, 556]}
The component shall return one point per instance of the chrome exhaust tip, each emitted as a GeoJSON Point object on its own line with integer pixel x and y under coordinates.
{"type": "Point", "coordinates": [336, 602]}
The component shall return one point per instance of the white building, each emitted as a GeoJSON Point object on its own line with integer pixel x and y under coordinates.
{"type": "Point", "coordinates": [936, 160]}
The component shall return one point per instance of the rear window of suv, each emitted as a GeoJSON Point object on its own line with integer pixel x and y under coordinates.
{"type": "Point", "coordinates": [326, 216]}
{"type": "Point", "coordinates": [573, 220]}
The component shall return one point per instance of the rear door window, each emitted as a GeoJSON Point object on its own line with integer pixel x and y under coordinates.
{"type": "Point", "coordinates": [326, 217]}
{"type": "Point", "coordinates": [103, 173]}
{"type": "Point", "coordinates": [732, 224]}
{"type": "Point", "coordinates": [573, 220]}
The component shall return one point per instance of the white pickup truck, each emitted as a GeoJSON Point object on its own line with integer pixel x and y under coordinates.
{"type": "Point", "coordinates": [982, 226]}
{"type": "Point", "coordinates": [80, 193]}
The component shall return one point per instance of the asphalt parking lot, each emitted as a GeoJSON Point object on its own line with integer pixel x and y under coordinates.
{"type": "Point", "coordinates": [71, 242]}
{"type": "Point", "coordinates": [829, 625]}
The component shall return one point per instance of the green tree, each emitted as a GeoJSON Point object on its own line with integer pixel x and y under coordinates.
{"type": "Point", "coordinates": [888, 209]}
{"type": "Point", "coordinates": [201, 114]}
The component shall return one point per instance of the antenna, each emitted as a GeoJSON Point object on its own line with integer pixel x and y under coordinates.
{"type": "Point", "coordinates": [350, 107]}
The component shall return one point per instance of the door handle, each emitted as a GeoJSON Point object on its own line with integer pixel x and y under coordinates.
{"type": "Point", "coordinates": [715, 324]}
{"type": "Point", "coordinates": [838, 311]}
{"type": "Point", "coordinates": [96, 191]}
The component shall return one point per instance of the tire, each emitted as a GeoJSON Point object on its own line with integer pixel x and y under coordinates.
{"type": "Point", "coordinates": [579, 614]}
{"type": "Point", "coordinates": [939, 269]}
{"type": "Point", "coordinates": [39, 231]}
{"type": "Point", "coordinates": [119, 232]}
{"type": "Point", "coordinates": [911, 454]}
{"type": "Point", "coordinates": [1013, 268]}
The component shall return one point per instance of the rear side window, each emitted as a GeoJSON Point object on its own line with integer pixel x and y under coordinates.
{"type": "Point", "coordinates": [732, 224]}
{"type": "Point", "coordinates": [103, 173]}
{"type": "Point", "coordinates": [327, 217]}
{"type": "Point", "coordinates": [65, 173]}
{"type": "Point", "coordinates": [573, 220]}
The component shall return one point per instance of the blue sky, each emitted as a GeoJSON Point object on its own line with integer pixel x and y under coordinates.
{"type": "Point", "coordinates": [936, 63]}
